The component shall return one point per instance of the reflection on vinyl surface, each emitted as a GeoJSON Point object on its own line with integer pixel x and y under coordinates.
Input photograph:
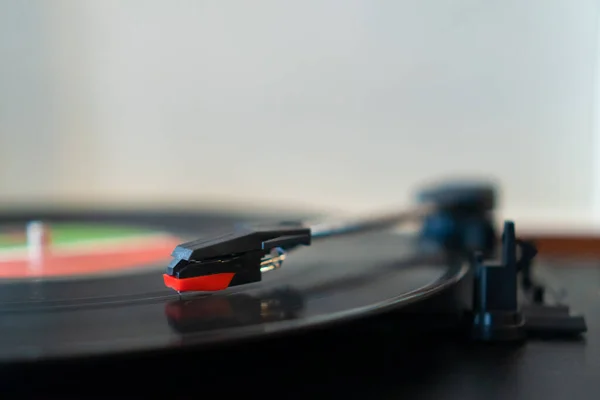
{"type": "Point", "coordinates": [223, 312]}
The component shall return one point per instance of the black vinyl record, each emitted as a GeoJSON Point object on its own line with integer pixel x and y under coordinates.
{"type": "Point", "coordinates": [68, 305]}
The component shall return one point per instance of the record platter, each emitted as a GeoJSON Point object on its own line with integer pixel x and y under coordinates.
{"type": "Point", "coordinates": [176, 296]}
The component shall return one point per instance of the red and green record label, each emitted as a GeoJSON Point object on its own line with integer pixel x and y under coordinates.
{"type": "Point", "coordinates": [81, 249]}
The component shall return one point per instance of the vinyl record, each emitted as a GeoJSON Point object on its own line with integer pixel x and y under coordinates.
{"type": "Point", "coordinates": [82, 284]}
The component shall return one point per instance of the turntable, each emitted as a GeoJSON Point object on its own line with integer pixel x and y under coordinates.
{"type": "Point", "coordinates": [194, 299]}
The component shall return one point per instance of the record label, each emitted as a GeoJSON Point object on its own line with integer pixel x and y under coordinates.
{"type": "Point", "coordinates": [67, 249]}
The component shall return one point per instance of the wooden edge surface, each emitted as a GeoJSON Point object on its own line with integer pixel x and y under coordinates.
{"type": "Point", "coordinates": [566, 245]}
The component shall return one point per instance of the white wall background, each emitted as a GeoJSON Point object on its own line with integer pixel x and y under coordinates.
{"type": "Point", "coordinates": [342, 105]}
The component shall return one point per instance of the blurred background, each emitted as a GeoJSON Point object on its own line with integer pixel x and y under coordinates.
{"type": "Point", "coordinates": [333, 106]}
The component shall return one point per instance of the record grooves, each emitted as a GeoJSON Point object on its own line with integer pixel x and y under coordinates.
{"type": "Point", "coordinates": [99, 314]}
